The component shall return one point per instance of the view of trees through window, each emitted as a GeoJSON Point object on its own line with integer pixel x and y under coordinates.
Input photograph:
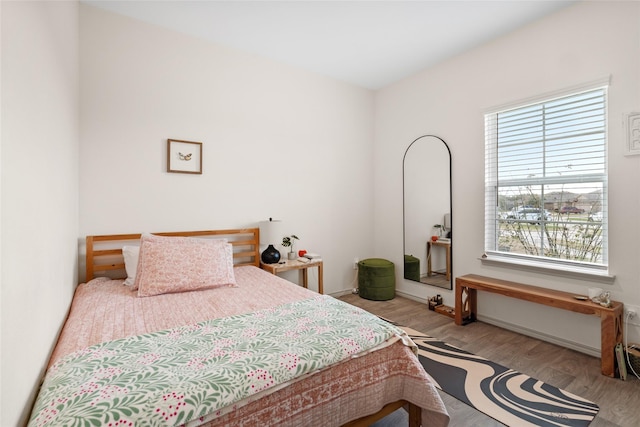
{"type": "Point", "coordinates": [546, 179]}
{"type": "Point", "coordinates": [564, 224]}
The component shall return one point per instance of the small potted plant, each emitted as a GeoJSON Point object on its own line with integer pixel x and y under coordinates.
{"type": "Point", "coordinates": [288, 242]}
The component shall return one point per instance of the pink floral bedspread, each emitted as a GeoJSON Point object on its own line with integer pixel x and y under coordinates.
{"type": "Point", "coordinates": [195, 373]}
{"type": "Point", "coordinates": [351, 388]}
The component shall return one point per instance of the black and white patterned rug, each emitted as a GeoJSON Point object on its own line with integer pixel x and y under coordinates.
{"type": "Point", "coordinates": [508, 396]}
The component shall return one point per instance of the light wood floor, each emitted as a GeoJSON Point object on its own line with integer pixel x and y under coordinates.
{"type": "Point", "coordinates": [572, 371]}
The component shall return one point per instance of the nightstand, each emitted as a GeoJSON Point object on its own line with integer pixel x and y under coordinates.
{"type": "Point", "coordinates": [296, 265]}
{"type": "Point", "coordinates": [447, 248]}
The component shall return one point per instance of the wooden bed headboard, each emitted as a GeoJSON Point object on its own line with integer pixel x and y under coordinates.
{"type": "Point", "coordinates": [104, 253]}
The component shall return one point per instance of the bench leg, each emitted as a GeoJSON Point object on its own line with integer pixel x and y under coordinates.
{"type": "Point", "coordinates": [466, 302]}
{"type": "Point", "coordinates": [610, 335]}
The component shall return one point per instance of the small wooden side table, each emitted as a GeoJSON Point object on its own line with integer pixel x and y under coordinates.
{"type": "Point", "coordinates": [447, 248]}
{"type": "Point", "coordinates": [296, 265]}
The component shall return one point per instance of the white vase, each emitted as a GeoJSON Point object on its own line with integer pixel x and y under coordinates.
{"type": "Point", "coordinates": [291, 255]}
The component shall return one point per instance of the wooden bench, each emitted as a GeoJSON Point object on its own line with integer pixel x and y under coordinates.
{"type": "Point", "coordinates": [610, 317]}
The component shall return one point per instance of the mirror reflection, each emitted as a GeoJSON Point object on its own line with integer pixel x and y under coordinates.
{"type": "Point", "coordinates": [427, 212]}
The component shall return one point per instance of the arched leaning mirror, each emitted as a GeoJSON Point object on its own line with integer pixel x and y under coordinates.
{"type": "Point", "coordinates": [427, 212]}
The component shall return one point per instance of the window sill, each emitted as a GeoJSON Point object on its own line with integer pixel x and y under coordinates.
{"type": "Point", "coordinates": [538, 267]}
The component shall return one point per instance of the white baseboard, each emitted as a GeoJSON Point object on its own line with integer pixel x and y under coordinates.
{"type": "Point", "coordinates": [340, 293]}
{"type": "Point", "coordinates": [399, 293]}
{"type": "Point", "coordinates": [412, 297]}
{"type": "Point", "coordinates": [591, 351]}
{"type": "Point", "coordinates": [542, 336]}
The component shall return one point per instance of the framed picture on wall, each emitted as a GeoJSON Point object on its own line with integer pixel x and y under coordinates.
{"type": "Point", "coordinates": [184, 156]}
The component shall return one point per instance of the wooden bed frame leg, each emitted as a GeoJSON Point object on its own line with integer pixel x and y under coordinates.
{"type": "Point", "coordinates": [415, 415]}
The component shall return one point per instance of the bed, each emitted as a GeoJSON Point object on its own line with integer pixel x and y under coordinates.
{"type": "Point", "coordinates": [184, 328]}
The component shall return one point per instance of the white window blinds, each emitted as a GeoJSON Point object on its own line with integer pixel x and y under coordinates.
{"type": "Point", "coordinates": [546, 180]}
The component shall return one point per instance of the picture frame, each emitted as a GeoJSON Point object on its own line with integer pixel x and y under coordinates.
{"type": "Point", "coordinates": [633, 134]}
{"type": "Point", "coordinates": [184, 156]}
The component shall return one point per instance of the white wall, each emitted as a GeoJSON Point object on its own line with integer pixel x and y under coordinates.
{"type": "Point", "coordinates": [278, 142]}
{"type": "Point", "coordinates": [582, 43]}
{"type": "Point", "coordinates": [39, 193]}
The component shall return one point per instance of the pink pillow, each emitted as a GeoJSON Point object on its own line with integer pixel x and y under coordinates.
{"type": "Point", "coordinates": [180, 264]}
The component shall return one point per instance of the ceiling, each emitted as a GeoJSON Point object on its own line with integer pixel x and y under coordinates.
{"type": "Point", "coordinates": [367, 43]}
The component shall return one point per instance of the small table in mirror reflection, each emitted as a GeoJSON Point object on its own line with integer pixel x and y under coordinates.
{"type": "Point", "coordinates": [446, 244]}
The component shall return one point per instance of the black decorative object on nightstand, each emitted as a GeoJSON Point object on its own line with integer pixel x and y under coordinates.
{"type": "Point", "coordinates": [270, 255]}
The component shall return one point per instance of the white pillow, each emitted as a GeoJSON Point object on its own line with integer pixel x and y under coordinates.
{"type": "Point", "coordinates": [130, 254]}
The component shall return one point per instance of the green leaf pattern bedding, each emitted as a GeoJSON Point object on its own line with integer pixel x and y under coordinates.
{"type": "Point", "coordinates": [192, 374]}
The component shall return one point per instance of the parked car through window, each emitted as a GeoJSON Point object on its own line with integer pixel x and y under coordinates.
{"type": "Point", "coordinates": [571, 210]}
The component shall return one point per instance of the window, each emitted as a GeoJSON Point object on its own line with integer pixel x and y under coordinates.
{"type": "Point", "coordinates": [546, 182]}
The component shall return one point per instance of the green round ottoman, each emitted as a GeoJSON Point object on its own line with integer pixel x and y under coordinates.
{"type": "Point", "coordinates": [411, 268]}
{"type": "Point", "coordinates": [376, 279]}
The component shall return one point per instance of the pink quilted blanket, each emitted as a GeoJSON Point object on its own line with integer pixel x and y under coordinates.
{"type": "Point", "coordinates": [332, 392]}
